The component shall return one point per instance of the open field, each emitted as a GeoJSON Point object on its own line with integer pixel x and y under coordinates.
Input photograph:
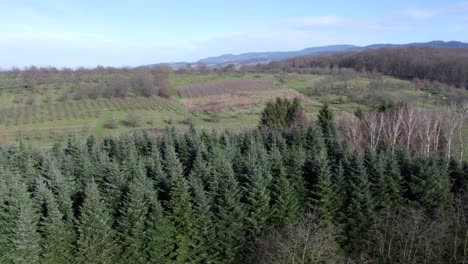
{"type": "Point", "coordinates": [208, 100]}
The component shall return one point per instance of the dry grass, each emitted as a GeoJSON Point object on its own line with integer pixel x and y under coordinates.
{"type": "Point", "coordinates": [238, 99]}
{"type": "Point", "coordinates": [225, 86]}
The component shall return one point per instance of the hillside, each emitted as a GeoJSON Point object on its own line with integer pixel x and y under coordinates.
{"type": "Point", "coordinates": [445, 65]}
{"type": "Point", "coordinates": [266, 57]}
{"type": "Point", "coordinates": [43, 106]}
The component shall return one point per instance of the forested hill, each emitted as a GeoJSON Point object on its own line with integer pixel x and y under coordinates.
{"type": "Point", "coordinates": [445, 65]}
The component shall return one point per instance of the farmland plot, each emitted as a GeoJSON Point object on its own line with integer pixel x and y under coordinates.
{"type": "Point", "coordinates": [239, 99]}
{"type": "Point", "coordinates": [225, 87]}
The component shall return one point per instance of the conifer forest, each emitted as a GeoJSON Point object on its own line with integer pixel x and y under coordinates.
{"type": "Point", "coordinates": [285, 192]}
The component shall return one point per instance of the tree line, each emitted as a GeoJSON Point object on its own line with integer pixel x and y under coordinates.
{"type": "Point", "coordinates": [281, 193]}
{"type": "Point", "coordinates": [446, 65]}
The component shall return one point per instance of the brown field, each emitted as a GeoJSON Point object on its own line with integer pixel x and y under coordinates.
{"type": "Point", "coordinates": [225, 86]}
{"type": "Point", "coordinates": [236, 99]}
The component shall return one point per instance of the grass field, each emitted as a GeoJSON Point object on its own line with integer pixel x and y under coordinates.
{"type": "Point", "coordinates": [211, 100]}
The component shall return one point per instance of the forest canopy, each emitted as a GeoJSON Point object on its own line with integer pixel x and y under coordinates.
{"type": "Point", "coordinates": [445, 65]}
{"type": "Point", "coordinates": [231, 197]}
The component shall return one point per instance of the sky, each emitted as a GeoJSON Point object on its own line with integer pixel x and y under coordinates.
{"type": "Point", "coordinates": [117, 33]}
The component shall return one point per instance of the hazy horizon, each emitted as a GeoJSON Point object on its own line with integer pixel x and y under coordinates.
{"type": "Point", "coordinates": [64, 34]}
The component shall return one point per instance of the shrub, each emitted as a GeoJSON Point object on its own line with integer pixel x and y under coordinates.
{"type": "Point", "coordinates": [215, 117]}
{"type": "Point", "coordinates": [111, 124]}
{"type": "Point", "coordinates": [169, 120]}
{"type": "Point", "coordinates": [63, 97]}
{"type": "Point", "coordinates": [132, 120]}
{"type": "Point", "coordinates": [282, 113]}
{"type": "Point", "coordinates": [143, 85]}
{"type": "Point", "coordinates": [187, 121]}
{"type": "Point", "coordinates": [30, 100]}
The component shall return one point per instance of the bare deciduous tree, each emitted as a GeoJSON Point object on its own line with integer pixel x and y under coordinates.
{"type": "Point", "coordinates": [410, 123]}
{"type": "Point", "coordinates": [308, 241]}
{"type": "Point", "coordinates": [374, 121]}
{"type": "Point", "coordinates": [450, 125]}
{"type": "Point", "coordinates": [394, 126]}
{"type": "Point", "coordinates": [462, 116]}
{"type": "Point", "coordinates": [350, 128]}
{"type": "Point", "coordinates": [407, 236]}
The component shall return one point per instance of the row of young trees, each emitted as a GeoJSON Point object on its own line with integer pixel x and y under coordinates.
{"type": "Point", "coordinates": [207, 197]}
{"type": "Point", "coordinates": [92, 83]}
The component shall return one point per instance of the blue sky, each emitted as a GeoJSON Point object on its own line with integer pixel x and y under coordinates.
{"type": "Point", "coordinates": [130, 33]}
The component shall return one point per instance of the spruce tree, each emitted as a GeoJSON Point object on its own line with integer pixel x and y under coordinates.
{"type": "Point", "coordinates": [325, 121]}
{"type": "Point", "coordinates": [430, 185]}
{"type": "Point", "coordinates": [58, 237]}
{"type": "Point", "coordinates": [286, 205]}
{"type": "Point", "coordinates": [230, 213]}
{"type": "Point", "coordinates": [294, 160]}
{"type": "Point", "coordinates": [256, 191]}
{"type": "Point", "coordinates": [5, 217]}
{"type": "Point", "coordinates": [458, 178]}
{"type": "Point", "coordinates": [359, 211]}
{"type": "Point", "coordinates": [391, 191]}
{"type": "Point", "coordinates": [203, 228]}
{"type": "Point", "coordinates": [96, 239]}
{"type": "Point", "coordinates": [63, 188]}
{"type": "Point", "coordinates": [172, 167]}
{"type": "Point", "coordinates": [375, 168]}
{"type": "Point", "coordinates": [113, 182]}
{"type": "Point", "coordinates": [324, 195]}
{"type": "Point", "coordinates": [340, 188]}
{"type": "Point", "coordinates": [20, 224]}
{"type": "Point", "coordinates": [182, 217]}
{"type": "Point", "coordinates": [154, 168]}
{"type": "Point", "coordinates": [132, 223]}
{"type": "Point", "coordinates": [159, 235]}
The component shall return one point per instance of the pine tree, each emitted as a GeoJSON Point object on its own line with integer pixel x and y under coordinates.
{"type": "Point", "coordinates": [58, 237]}
{"type": "Point", "coordinates": [96, 239]}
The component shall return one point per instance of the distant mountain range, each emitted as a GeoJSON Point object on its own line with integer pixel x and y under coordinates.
{"type": "Point", "coordinates": [266, 57]}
